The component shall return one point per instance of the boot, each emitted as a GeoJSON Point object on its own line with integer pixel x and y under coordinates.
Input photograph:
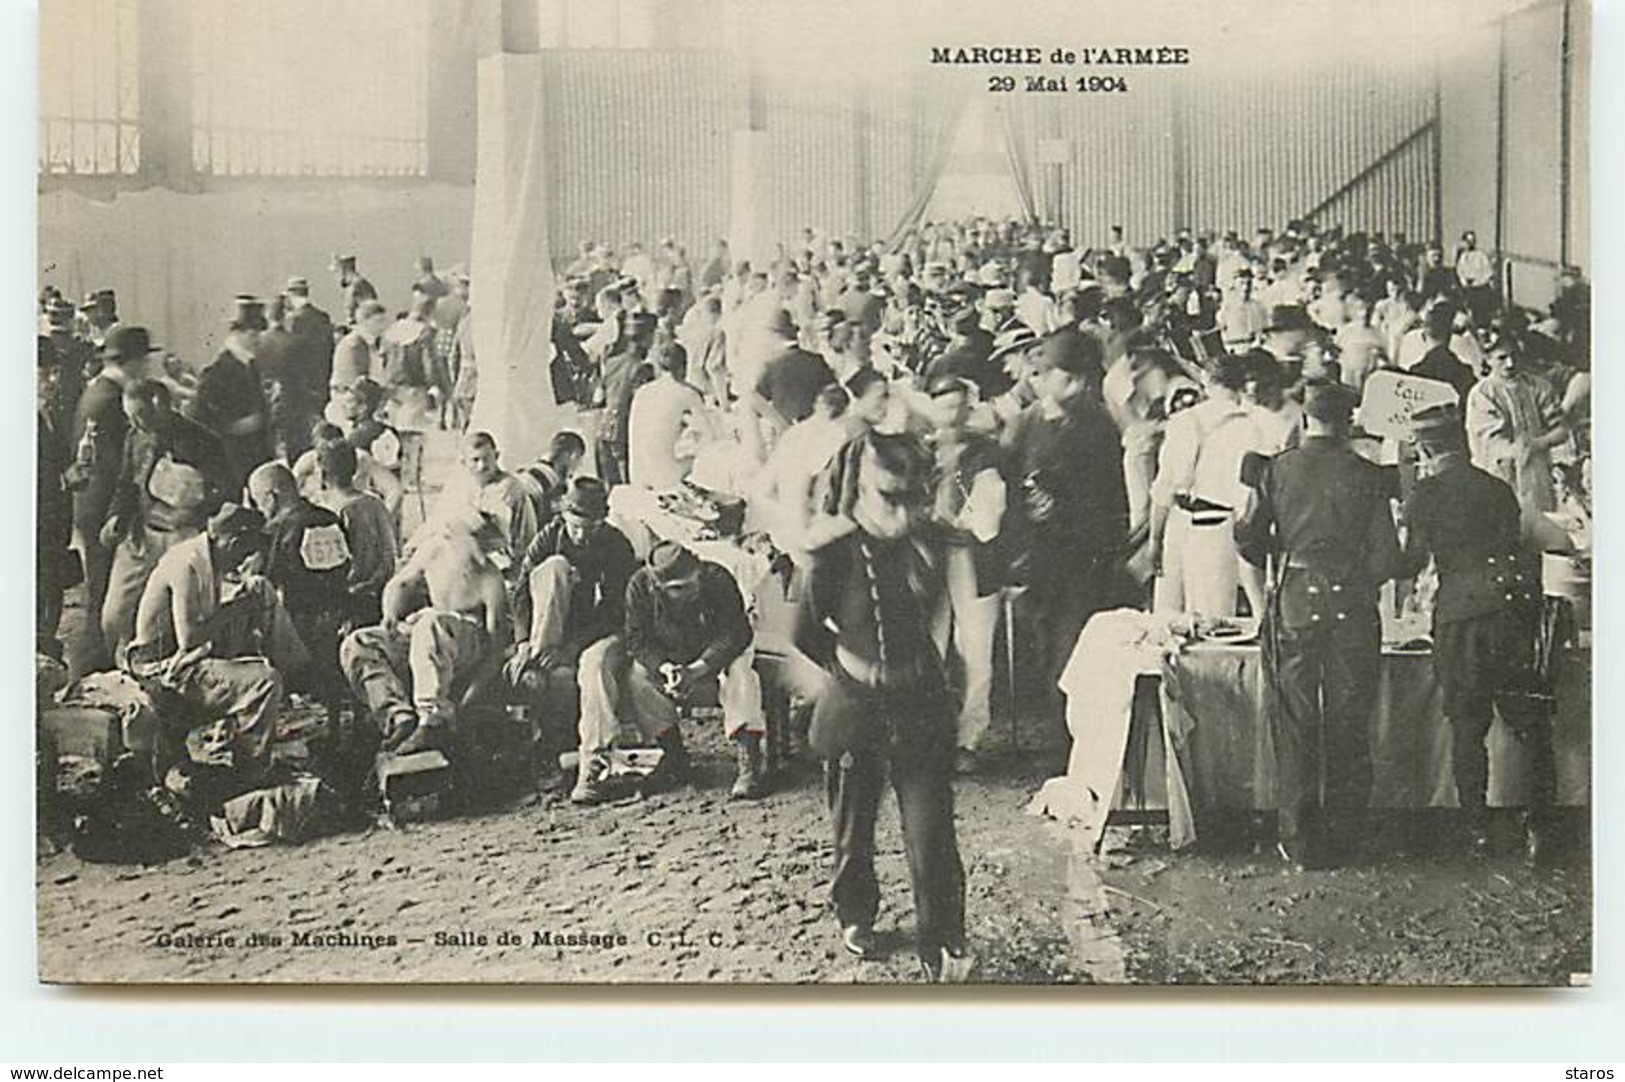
{"type": "Point", "coordinates": [749, 784]}
{"type": "Point", "coordinates": [592, 775]}
{"type": "Point", "coordinates": [673, 769]}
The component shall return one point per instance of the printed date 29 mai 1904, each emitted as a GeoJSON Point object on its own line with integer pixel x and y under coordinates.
{"type": "Point", "coordinates": [1057, 84]}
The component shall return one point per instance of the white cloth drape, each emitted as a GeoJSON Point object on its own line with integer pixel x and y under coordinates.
{"type": "Point", "coordinates": [512, 276]}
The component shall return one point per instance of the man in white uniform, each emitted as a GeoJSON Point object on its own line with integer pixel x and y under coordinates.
{"type": "Point", "coordinates": [1197, 495]}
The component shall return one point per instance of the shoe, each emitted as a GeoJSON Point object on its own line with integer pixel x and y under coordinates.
{"type": "Point", "coordinates": [674, 764]}
{"type": "Point", "coordinates": [401, 726]}
{"type": "Point", "coordinates": [591, 778]}
{"type": "Point", "coordinates": [949, 966]}
{"type": "Point", "coordinates": [966, 761]}
{"type": "Point", "coordinates": [431, 734]}
{"type": "Point", "coordinates": [749, 784]}
{"type": "Point", "coordinates": [858, 939]}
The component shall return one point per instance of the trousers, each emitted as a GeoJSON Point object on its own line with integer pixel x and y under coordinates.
{"type": "Point", "coordinates": [916, 755]}
{"type": "Point", "coordinates": [972, 624]}
{"type": "Point", "coordinates": [244, 694]}
{"type": "Point", "coordinates": [1323, 684]}
{"type": "Point", "coordinates": [1202, 569]}
{"type": "Point", "coordinates": [1475, 659]}
{"type": "Point", "coordinates": [614, 686]}
{"type": "Point", "coordinates": [415, 667]}
{"type": "Point", "coordinates": [134, 560]}
{"type": "Point", "coordinates": [98, 562]}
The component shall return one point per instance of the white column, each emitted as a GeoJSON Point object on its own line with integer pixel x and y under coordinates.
{"type": "Point", "coordinates": [511, 270]}
{"type": "Point", "coordinates": [750, 218]}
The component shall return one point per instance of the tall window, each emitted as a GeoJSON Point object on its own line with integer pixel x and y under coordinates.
{"type": "Point", "coordinates": [88, 87]}
{"type": "Point", "coordinates": [310, 88]}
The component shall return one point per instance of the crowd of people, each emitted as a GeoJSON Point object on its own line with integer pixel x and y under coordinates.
{"type": "Point", "coordinates": [983, 424]}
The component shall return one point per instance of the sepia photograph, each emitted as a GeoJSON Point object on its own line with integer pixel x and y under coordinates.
{"type": "Point", "coordinates": [786, 492]}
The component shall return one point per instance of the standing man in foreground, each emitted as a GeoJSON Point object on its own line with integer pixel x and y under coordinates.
{"type": "Point", "coordinates": [882, 705]}
{"type": "Point", "coordinates": [1323, 525]}
{"type": "Point", "coordinates": [1484, 621]}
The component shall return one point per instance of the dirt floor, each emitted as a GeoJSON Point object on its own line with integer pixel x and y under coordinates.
{"type": "Point", "coordinates": [687, 886]}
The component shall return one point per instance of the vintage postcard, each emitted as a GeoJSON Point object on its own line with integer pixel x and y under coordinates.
{"type": "Point", "coordinates": [768, 492]}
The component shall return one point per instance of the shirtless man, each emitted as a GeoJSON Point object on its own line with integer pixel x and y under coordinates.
{"type": "Point", "coordinates": [409, 669]}
{"type": "Point", "coordinates": [203, 633]}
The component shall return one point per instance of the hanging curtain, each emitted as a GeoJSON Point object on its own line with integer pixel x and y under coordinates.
{"type": "Point", "coordinates": [941, 117]}
{"type": "Point", "coordinates": [1019, 151]}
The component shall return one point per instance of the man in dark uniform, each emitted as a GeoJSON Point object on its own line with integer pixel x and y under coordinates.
{"type": "Point", "coordinates": [881, 703]}
{"type": "Point", "coordinates": [58, 567]}
{"type": "Point", "coordinates": [790, 379]}
{"type": "Point", "coordinates": [230, 400]}
{"type": "Point", "coordinates": [311, 367]}
{"type": "Point", "coordinates": [274, 357]}
{"type": "Point", "coordinates": [1485, 618]}
{"type": "Point", "coordinates": [1323, 526]}
{"type": "Point", "coordinates": [356, 289]}
{"type": "Point", "coordinates": [99, 431]}
{"type": "Point", "coordinates": [970, 356]}
{"type": "Point", "coordinates": [76, 360]}
{"type": "Point", "coordinates": [1068, 466]}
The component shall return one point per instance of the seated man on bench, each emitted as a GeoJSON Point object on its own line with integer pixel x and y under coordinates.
{"type": "Point", "coordinates": [687, 639]}
{"type": "Point", "coordinates": [203, 632]}
{"type": "Point", "coordinates": [574, 604]}
{"type": "Point", "coordinates": [445, 624]}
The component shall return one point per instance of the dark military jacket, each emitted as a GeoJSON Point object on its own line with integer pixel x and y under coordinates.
{"type": "Point", "coordinates": [1468, 521]}
{"type": "Point", "coordinates": [1323, 513]}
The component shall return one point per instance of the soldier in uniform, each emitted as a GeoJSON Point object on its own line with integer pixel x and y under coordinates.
{"type": "Point", "coordinates": [355, 288]}
{"type": "Point", "coordinates": [1485, 618]}
{"type": "Point", "coordinates": [882, 710]}
{"type": "Point", "coordinates": [1323, 526]}
{"type": "Point", "coordinates": [76, 360]}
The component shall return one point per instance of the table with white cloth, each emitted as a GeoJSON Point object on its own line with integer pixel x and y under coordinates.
{"type": "Point", "coordinates": [637, 513]}
{"type": "Point", "coordinates": [1198, 711]}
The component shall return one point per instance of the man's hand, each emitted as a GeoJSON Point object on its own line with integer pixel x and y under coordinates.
{"type": "Point", "coordinates": [112, 532]}
{"type": "Point", "coordinates": [246, 426]}
{"type": "Point", "coordinates": [1040, 505]}
{"type": "Point", "coordinates": [514, 668]}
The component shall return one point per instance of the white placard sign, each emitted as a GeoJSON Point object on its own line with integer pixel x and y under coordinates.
{"type": "Point", "coordinates": [1391, 399]}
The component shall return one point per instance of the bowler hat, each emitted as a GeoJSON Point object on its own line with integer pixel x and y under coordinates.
{"type": "Point", "coordinates": [1070, 351]}
{"type": "Point", "coordinates": [1019, 338]}
{"type": "Point", "coordinates": [298, 285]}
{"type": "Point", "coordinates": [127, 343]}
{"type": "Point", "coordinates": [586, 497]}
{"type": "Point", "coordinates": [671, 562]}
{"type": "Point", "coordinates": [782, 325]}
{"type": "Point", "coordinates": [1289, 317]}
